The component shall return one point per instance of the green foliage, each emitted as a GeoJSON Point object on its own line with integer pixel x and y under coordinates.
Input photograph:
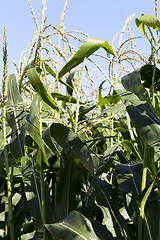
{"type": "Point", "coordinates": [78, 168]}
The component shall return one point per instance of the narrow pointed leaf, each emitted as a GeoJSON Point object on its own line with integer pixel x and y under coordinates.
{"type": "Point", "coordinates": [88, 48]}
{"type": "Point", "coordinates": [74, 149]}
{"type": "Point", "coordinates": [35, 81]}
{"type": "Point", "coordinates": [53, 74]}
{"type": "Point", "coordinates": [61, 97]}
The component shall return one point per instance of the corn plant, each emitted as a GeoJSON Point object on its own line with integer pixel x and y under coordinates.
{"type": "Point", "coordinates": [72, 167]}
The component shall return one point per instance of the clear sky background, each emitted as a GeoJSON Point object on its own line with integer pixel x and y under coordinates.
{"type": "Point", "coordinates": [100, 19]}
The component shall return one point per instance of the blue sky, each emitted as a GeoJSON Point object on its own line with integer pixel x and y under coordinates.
{"type": "Point", "coordinates": [100, 19]}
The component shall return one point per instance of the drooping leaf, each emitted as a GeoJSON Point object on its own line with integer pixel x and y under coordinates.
{"type": "Point", "coordinates": [74, 149]}
{"type": "Point", "coordinates": [88, 48]}
{"type": "Point", "coordinates": [35, 81]}
{"type": "Point", "coordinates": [132, 82]}
{"type": "Point", "coordinates": [74, 226]}
{"type": "Point", "coordinates": [149, 21]}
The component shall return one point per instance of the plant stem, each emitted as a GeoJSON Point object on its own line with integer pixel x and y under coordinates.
{"type": "Point", "coordinates": [142, 207]}
{"type": "Point", "coordinates": [43, 203]}
{"type": "Point", "coordinates": [9, 185]}
{"type": "Point", "coordinates": [42, 178]}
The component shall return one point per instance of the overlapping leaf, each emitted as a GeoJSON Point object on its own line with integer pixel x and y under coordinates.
{"type": "Point", "coordinates": [74, 149]}
{"type": "Point", "coordinates": [143, 118]}
{"type": "Point", "coordinates": [132, 82]}
{"type": "Point", "coordinates": [107, 197]}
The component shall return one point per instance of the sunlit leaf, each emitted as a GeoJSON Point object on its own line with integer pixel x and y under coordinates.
{"type": "Point", "coordinates": [149, 21]}
{"type": "Point", "coordinates": [88, 48]}
{"type": "Point", "coordinates": [110, 99]}
{"type": "Point", "coordinates": [37, 84]}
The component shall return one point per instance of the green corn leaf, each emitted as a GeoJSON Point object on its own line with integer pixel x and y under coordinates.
{"type": "Point", "coordinates": [110, 99]}
{"type": "Point", "coordinates": [74, 149]}
{"type": "Point", "coordinates": [53, 74]}
{"type": "Point", "coordinates": [49, 70]}
{"type": "Point", "coordinates": [143, 118]}
{"type": "Point", "coordinates": [147, 75]}
{"type": "Point", "coordinates": [132, 82]}
{"type": "Point", "coordinates": [90, 46]}
{"type": "Point", "coordinates": [61, 97]}
{"type": "Point", "coordinates": [32, 126]}
{"type": "Point", "coordinates": [74, 226]}
{"type": "Point", "coordinates": [129, 145]}
{"type": "Point", "coordinates": [106, 196]}
{"type": "Point", "coordinates": [31, 180]}
{"type": "Point", "coordinates": [35, 81]}
{"type": "Point", "coordinates": [69, 82]}
{"type": "Point", "coordinates": [129, 177]}
{"type": "Point", "coordinates": [16, 118]}
{"type": "Point", "coordinates": [149, 21]}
